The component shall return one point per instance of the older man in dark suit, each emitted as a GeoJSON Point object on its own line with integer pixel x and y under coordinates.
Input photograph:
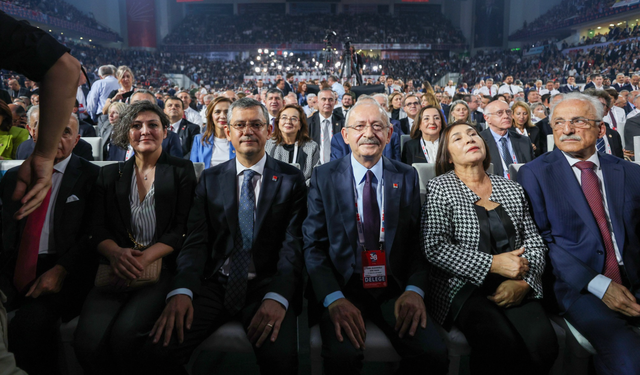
{"type": "Point", "coordinates": [47, 271]}
{"type": "Point", "coordinates": [324, 124]}
{"type": "Point", "coordinates": [245, 240]}
{"type": "Point", "coordinates": [587, 207]}
{"type": "Point", "coordinates": [186, 131]}
{"type": "Point", "coordinates": [505, 147]}
{"type": "Point", "coordinates": [362, 252]}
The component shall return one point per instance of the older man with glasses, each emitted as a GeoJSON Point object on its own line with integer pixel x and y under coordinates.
{"type": "Point", "coordinates": [411, 105]}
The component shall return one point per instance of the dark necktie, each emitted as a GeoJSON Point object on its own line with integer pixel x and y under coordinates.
{"type": "Point", "coordinates": [600, 146]}
{"type": "Point", "coordinates": [613, 119]}
{"type": "Point", "coordinates": [370, 213]}
{"type": "Point", "coordinates": [239, 267]}
{"type": "Point", "coordinates": [506, 155]}
{"type": "Point", "coordinates": [591, 190]}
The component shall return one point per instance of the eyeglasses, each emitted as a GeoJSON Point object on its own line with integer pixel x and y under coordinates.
{"type": "Point", "coordinates": [293, 119]}
{"type": "Point", "coordinates": [501, 112]}
{"type": "Point", "coordinates": [411, 104]}
{"type": "Point", "coordinates": [255, 126]}
{"type": "Point", "coordinates": [576, 122]}
{"type": "Point", "coordinates": [361, 127]}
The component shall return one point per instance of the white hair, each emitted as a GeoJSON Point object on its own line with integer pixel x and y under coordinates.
{"type": "Point", "coordinates": [590, 100]}
{"type": "Point", "coordinates": [368, 100]}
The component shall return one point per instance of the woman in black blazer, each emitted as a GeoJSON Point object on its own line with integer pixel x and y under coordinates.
{"type": "Point", "coordinates": [141, 210]}
{"type": "Point", "coordinates": [521, 123]}
{"type": "Point", "coordinates": [425, 135]}
{"type": "Point", "coordinates": [487, 258]}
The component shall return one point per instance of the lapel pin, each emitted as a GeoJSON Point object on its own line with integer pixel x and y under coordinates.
{"type": "Point", "coordinates": [395, 186]}
{"type": "Point", "coordinates": [274, 178]}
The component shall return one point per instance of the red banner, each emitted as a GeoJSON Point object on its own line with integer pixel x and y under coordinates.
{"type": "Point", "coordinates": [141, 23]}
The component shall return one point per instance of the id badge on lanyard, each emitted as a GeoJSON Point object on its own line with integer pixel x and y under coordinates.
{"type": "Point", "coordinates": [374, 262]}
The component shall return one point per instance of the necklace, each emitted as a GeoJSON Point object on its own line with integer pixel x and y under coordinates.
{"type": "Point", "coordinates": [145, 177]}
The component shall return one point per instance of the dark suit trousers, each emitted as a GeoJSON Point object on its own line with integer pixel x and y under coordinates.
{"type": "Point", "coordinates": [610, 333]}
{"type": "Point", "coordinates": [424, 352]}
{"type": "Point", "coordinates": [113, 327]}
{"type": "Point", "coordinates": [519, 339]}
{"type": "Point", "coordinates": [277, 358]}
{"type": "Point", "coordinates": [34, 331]}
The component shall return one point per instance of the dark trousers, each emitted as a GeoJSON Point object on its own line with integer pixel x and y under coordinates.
{"type": "Point", "coordinates": [616, 343]}
{"type": "Point", "coordinates": [34, 332]}
{"type": "Point", "coordinates": [113, 327]}
{"type": "Point", "coordinates": [424, 352]}
{"type": "Point", "coordinates": [519, 339]}
{"type": "Point", "coordinates": [277, 358]}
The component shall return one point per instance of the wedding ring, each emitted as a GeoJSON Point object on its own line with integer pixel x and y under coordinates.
{"type": "Point", "coordinates": [270, 325]}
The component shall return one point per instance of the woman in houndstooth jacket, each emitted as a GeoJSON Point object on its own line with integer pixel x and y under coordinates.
{"type": "Point", "coordinates": [487, 259]}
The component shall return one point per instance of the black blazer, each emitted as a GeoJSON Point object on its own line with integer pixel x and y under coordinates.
{"type": "Point", "coordinates": [174, 184]}
{"type": "Point", "coordinates": [545, 129]}
{"type": "Point", "coordinates": [631, 129]}
{"type": "Point", "coordinates": [83, 149]}
{"type": "Point", "coordinates": [412, 152]}
{"type": "Point", "coordinates": [521, 147]}
{"type": "Point", "coordinates": [277, 231]}
{"type": "Point", "coordinates": [404, 125]}
{"type": "Point", "coordinates": [615, 142]}
{"type": "Point", "coordinates": [536, 138]}
{"type": "Point", "coordinates": [339, 112]}
{"type": "Point", "coordinates": [86, 130]}
{"type": "Point", "coordinates": [314, 126]}
{"type": "Point", "coordinates": [73, 207]}
{"type": "Point", "coordinates": [187, 131]}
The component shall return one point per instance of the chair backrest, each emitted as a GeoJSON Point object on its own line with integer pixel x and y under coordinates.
{"type": "Point", "coordinates": [636, 146]}
{"type": "Point", "coordinates": [101, 163]}
{"type": "Point", "coordinates": [490, 169]}
{"type": "Point", "coordinates": [551, 144]}
{"type": "Point", "coordinates": [403, 139]}
{"type": "Point", "coordinates": [5, 165]}
{"type": "Point", "coordinates": [426, 171]}
{"type": "Point", "coordinates": [199, 167]}
{"type": "Point", "coordinates": [96, 147]}
{"type": "Point", "coordinates": [513, 171]}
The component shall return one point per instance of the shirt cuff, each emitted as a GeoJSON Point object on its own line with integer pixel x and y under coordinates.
{"type": "Point", "coordinates": [331, 298]}
{"type": "Point", "coordinates": [278, 298]}
{"type": "Point", "coordinates": [413, 288]}
{"type": "Point", "coordinates": [179, 291]}
{"type": "Point", "coordinates": [598, 285]}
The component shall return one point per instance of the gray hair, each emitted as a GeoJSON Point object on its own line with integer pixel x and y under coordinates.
{"type": "Point", "coordinates": [120, 135]}
{"type": "Point", "coordinates": [592, 101]}
{"type": "Point", "coordinates": [105, 70]}
{"type": "Point", "coordinates": [144, 91]}
{"type": "Point", "coordinates": [538, 104]}
{"type": "Point", "coordinates": [453, 105]}
{"type": "Point", "coordinates": [245, 103]}
{"type": "Point", "coordinates": [310, 96]}
{"type": "Point", "coordinates": [619, 75]}
{"type": "Point", "coordinates": [32, 110]}
{"type": "Point", "coordinates": [368, 100]}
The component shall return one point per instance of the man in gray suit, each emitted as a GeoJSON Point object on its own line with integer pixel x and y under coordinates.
{"type": "Point", "coordinates": [506, 146]}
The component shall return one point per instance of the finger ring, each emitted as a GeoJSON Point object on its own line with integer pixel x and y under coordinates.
{"type": "Point", "coordinates": [270, 325]}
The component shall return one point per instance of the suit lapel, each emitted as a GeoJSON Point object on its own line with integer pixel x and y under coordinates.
{"type": "Point", "coordinates": [495, 154]}
{"type": "Point", "coordinates": [343, 182]}
{"type": "Point", "coordinates": [164, 193]}
{"type": "Point", "coordinates": [271, 180]}
{"type": "Point", "coordinates": [519, 144]}
{"type": "Point", "coordinates": [69, 179]}
{"type": "Point", "coordinates": [613, 179]}
{"type": "Point", "coordinates": [123, 190]}
{"type": "Point", "coordinates": [314, 127]}
{"type": "Point", "coordinates": [227, 185]}
{"type": "Point", "coordinates": [392, 199]}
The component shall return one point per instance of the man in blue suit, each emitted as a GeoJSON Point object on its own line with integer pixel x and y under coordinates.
{"type": "Point", "coordinates": [362, 252]}
{"type": "Point", "coordinates": [587, 207]}
{"type": "Point", "coordinates": [242, 259]}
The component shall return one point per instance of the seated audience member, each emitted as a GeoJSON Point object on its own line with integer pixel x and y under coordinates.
{"type": "Point", "coordinates": [10, 136]}
{"type": "Point", "coordinates": [611, 143]}
{"type": "Point", "coordinates": [587, 208]}
{"type": "Point", "coordinates": [46, 270]}
{"type": "Point", "coordinates": [136, 222]}
{"type": "Point", "coordinates": [245, 234]}
{"type": "Point", "coordinates": [107, 122]}
{"type": "Point", "coordinates": [190, 114]}
{"type": "Point", "coordinates": [395, 106]}
{"type": "Point", "coordinates": [125, 78]}
{"type": "Point", "coordinates": [186, 131]}
{"type": "Point", "coordinates": [324, 124]}
{"type": "Point", "coordinates": [366, 185]}
{"type": "Point", "coordinates": [521, 124]}
{"type": "Point", "coordinates": [505, 147]}
{"type": "Point", "coordinates": [459, 112]}
{"type": "Point", "coordinates": [487, 258]}
{"type": "Point", "coordinates": [302, 94]}
{"type": "Point", "coordinates": [213, 147]}
{"type": "Point", "coordinates": [86, 129]}
{"type": "Point", "coordinates": [411, 105]}
{"type": "Point", "coordinates": [425, 137]}
{"type": "Point", "coordinates": [82, 148]}
{"type": "Point", "coordinates": [290, 141]}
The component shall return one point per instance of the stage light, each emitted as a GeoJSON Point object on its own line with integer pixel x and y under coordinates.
{"type": "Point", "coordinates": [320, 66]}
{"type": "Point", "coordinates": [337, 65]}
{"type": "Point", "coordinates": [266, 50]}
{"type": "Point", "coordinates": [259, 50]}
{"type": "Point", "coordinates": [251, 62]}
{"type": "Point", "coordinates": [257, 70]}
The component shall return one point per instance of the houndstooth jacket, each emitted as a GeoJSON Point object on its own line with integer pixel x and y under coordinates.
{"type": "Point", "coordinates": [451, 233]}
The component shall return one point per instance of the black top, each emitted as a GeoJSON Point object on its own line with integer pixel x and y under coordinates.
{"type": "Point", "coordinates": [497, 236]}
{"type": "Point", "coordinates": [395, 114]}
{"type": "Point", "coordinates": [125, 96]}
{"type": "Point", "coordinates": [290, 149]}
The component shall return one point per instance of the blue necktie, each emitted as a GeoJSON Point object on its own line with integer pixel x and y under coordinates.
{"type": "Point", "coordinates": [601, 146]}
{"type": "Point", "coordinates": [506, 155]}
{"type": "Point", "coordinates": [239, 267]}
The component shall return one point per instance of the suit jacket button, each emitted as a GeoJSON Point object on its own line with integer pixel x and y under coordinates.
{"type": "Point", "coordinates": [184, 235]}
{"type": "Point", "coordinates": [600, 252]}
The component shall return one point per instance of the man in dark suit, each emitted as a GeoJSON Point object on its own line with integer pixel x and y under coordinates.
{"type": "Point", "coordinates": [347, 102]}
{"type": "Point", "coordinates": [350, 200]}
{"type": "Point", "coordinates": [570, 86]}
{"type": "Point", "coordinates": [611, 143]}
{"type": "Point", "coordinates": [411, 105]}
{"type": "Point", "coordinates": [591, 228]}
{"type": "Point", "coordinates": [47, 270]}
{"type": "Point", "coordinates": [288, 84]}
{"type": "Point", "coordinates": [15, 91]}
{"type": "Point", "coordinates": [245, 239]}
{"type": "Point", "coordinates": [324, 124]}
{"type": "Point", "coordinates": [505, 147]}
{"type": "Point", "coordinates": [186, 131]}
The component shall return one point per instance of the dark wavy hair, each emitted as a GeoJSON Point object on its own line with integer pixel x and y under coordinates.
{"type": "Point", "coordinates": [120, 135]}
{"type": "Point", "coordinates": [303, 134]}
{"type": "Point", "coordinates": [416, 133]}
{"type": "Point", "coordinates": [443, 163]}
{"type": "Point", "coordinates": [7, 116]}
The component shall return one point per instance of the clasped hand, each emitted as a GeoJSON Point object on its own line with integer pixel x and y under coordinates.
{"type": "Point", "coordinates": [510, 293]}
{"type": "Point", "coordinates": [511, 265]}
{"type": "Point", "coordinates": [128, 264]}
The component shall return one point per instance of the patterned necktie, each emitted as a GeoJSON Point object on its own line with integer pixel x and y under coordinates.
{"type": "Point", "coordinates": [506, 155]}
{"type": "Point", "coordinates": [27, 262]}
{"type": "Point", "coordinates": [601, 146]}
{"type": "Point", "coordinates": [239, 267]}
{"type": "Point", "coordinates": [370, 213]}
{"type": "Point", "coordinates": [591, 190]}
{"type": "Point", "coordinates": [326, 141]}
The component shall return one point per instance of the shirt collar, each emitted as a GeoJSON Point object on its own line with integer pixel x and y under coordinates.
{"type": "Point", "coordinates": [593, 158]}
{"type": "Point", "coordinates": [359, 170]}
{"type": "Point", "coordinates": [322, 118]}
{"type": "Point", "coordinates": [61, 166]}
{"type": "Point", "coordinates": [175, 126]}
{"type": "Point", "coordinates": [257, 167]}
{"type": "Point", "coordinates": [497, 136]}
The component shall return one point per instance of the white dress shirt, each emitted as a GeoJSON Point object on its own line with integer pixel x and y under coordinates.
{"type": "Point", "coordinates": [599, 284]}
{"type": "Point", "coordinates": [47, 244]}
{"type": "Point", "coordinates": [193, 116]}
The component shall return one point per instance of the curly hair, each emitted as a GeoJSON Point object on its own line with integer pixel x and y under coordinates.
{"type": "Point", "coordinates": [120, 135]}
